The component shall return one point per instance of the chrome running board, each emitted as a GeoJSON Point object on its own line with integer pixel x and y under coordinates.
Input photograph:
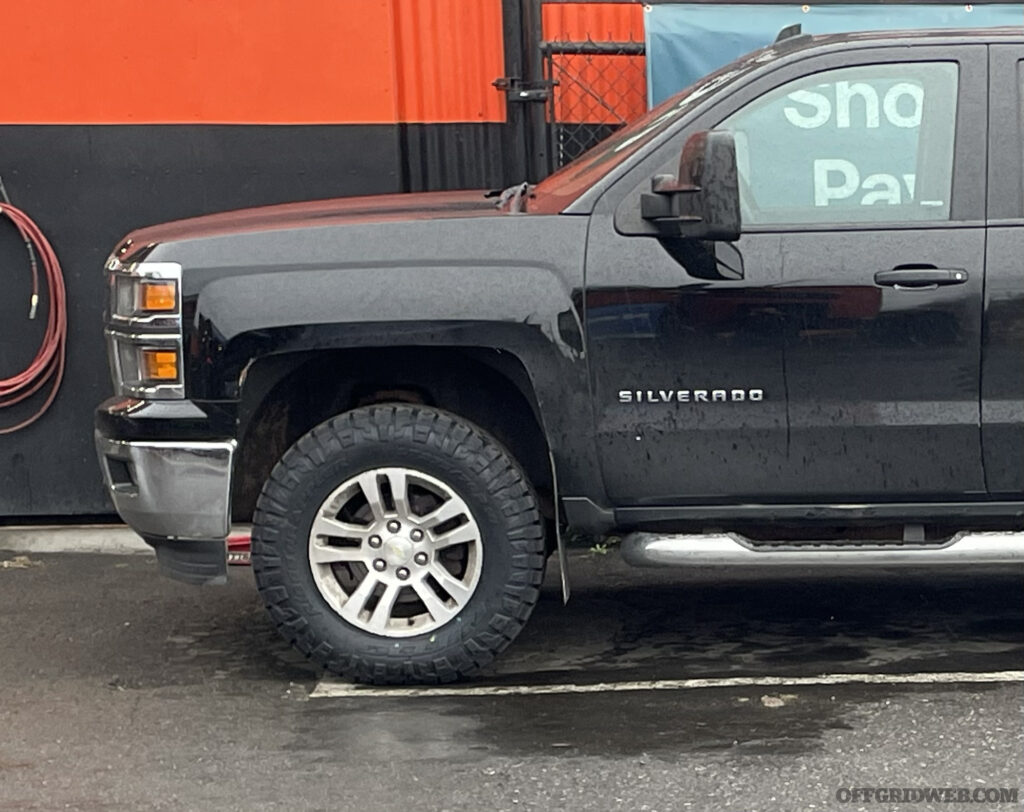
{"type": "Point", "coordinates": [660, 550]}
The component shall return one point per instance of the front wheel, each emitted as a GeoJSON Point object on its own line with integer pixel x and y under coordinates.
{"type": "Point", "coordinates": [397, 544]}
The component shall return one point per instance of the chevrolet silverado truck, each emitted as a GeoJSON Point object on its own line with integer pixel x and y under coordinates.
{"type": "Point", "coordinates": [779, 319]}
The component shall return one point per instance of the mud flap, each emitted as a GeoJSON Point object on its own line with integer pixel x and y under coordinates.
{"type": "Point", "coordinates": [563, 558]}
{"type": "Point", "coordinates": [199, 563]}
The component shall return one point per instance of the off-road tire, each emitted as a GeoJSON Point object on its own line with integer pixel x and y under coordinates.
{"type": "Point", "coordinates": [439, 444]}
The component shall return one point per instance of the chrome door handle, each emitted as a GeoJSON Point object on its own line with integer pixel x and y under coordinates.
{"type": "Point", "coordinates": [921, 277]}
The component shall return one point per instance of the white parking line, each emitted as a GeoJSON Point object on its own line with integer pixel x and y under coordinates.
{"type": "Point", "coordinates": [330, 687]}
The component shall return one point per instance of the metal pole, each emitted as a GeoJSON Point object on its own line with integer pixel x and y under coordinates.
{"type": "Point", "coordinates": [515, 143]}
{"type": "Point", "coordinates": [533, 73]}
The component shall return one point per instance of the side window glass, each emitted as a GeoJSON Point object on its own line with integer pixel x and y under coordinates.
{"type": "Point", "coordinates": [866, 144]}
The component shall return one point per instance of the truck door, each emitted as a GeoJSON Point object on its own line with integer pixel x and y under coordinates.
{"type": "Point", "coordinates": [845, 363]}
{"type": "Point", "coordinates": [1002, 379]}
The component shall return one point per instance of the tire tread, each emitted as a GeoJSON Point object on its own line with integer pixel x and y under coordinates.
{"type": "Point", "coordinates": [274, 526]}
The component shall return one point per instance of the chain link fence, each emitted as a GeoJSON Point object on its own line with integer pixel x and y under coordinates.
{"type": "Point", "coordinates": [596, 88]}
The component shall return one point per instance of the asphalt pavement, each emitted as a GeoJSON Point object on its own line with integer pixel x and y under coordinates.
{"type": "Point", "coordinates": [124, 691]}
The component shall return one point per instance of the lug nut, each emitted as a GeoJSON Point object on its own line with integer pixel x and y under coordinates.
{"type": "Point", "coordinates": [416, 535]}
{"type": "Point", "coordinates": [402, 573]}
{"type": "Point", "coordinates": [375, 541]}
{"type": "Point", "coordinates": [393, 526]}
{"type": "Point", "coordinates": [380, 564]}
{"type": "Point", "coordinates": [420, 558]}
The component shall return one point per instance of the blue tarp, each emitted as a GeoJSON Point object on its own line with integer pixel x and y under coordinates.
{"type": "Point", "coordinates": [686, 41]}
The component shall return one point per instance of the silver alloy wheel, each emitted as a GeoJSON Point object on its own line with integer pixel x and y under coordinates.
{"type": "Point", "coordinates": [395, 552]}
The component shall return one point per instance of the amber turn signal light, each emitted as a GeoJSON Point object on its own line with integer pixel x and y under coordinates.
{"type": "Point", "coordinates": [160, 365]}
{"type": "Point", "coordinates": [160, 296]}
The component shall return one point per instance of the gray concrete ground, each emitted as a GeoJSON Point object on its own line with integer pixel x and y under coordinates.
{"type": "Point", "coordinates": [99, 538]}
{"type": "Point", "coordinates": [124, 691]}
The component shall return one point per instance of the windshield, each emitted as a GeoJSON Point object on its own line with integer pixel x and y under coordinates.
{"type": "Point", "coordinates": [559, 189]}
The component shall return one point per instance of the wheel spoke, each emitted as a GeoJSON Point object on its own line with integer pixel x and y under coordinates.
{"type": "Point", "coordinates": [326, 526]}
{"type": "Point", "coordinates": [382, 611]}
{"type": "Point", "coordinates": [459, 591]}
{"type": "Point", "coordinates": [446, 512]}
{"type": "Point", "coordinates": [371, 515]}
{"type": "Point", "coordinates": [357, 600]}
{"type": "Point", "coordinates": [399, 491]}
{"type": "Point", "coordinates": [460, 535]}
{"type": "Point", "coordinates": [329, 554]}
{"type": "Point", "coordinates": [438, 611]}
{"type": "Point", "coordinates": [371, 490]}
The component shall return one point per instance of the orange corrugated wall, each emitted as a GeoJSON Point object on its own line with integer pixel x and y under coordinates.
{"type": "Point", "coordinates": [619, 81]}
{"type": "Point", "coordinates": [449, 53]}
{"type": "Point", "coordinates": [251, 61]}
{"type": "Point", "coordinates": [602, 22]}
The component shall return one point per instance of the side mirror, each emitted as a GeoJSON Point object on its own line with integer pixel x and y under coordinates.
{"type": "Point", "coordinates": [703, 202]}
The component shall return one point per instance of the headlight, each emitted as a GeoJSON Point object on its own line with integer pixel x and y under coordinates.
{"type": "Point", "coordinates": [145, 293]}
{"type": "Point", "coordinates": [134, 297]}
{"type": "Point", "coordinates": [144, 329]}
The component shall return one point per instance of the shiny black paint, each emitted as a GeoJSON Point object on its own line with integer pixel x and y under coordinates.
{"type": "Point", "coordinates": [871, 394]}
{"type": "Point", "coordinates": [1002, 383]}
{"type": "Point", "coordinates": [165, 419]}
{"type": "Point", "coordinates": [1003, 364]}
{"type": "Point", "coordinates": [444, 270]}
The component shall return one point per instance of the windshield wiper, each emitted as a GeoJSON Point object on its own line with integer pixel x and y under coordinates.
{"type": "Point", "coordinates": [514, 197]}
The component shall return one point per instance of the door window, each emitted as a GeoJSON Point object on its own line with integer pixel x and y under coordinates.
{"type": "Point", "coordinates": [865, 144]}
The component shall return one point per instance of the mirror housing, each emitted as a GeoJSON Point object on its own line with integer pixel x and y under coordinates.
{"type": "Point", "coordinates": [703, 201]}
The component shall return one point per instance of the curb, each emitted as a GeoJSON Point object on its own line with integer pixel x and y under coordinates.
{"type": "Point", "coordinates": [113, 538]}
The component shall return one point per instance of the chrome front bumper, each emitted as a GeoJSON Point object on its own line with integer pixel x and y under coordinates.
{"type": "Point", "coordinates": [170, 490]}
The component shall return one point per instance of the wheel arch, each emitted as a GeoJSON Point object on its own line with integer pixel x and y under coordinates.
{"type": "Point", "coordinates": [285, 395]}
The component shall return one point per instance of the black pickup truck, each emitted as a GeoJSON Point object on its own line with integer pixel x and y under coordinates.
{"type": "Point", "coordinates": [777, 320]}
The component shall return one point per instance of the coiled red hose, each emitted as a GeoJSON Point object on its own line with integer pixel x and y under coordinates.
{"type": "Point", "coordinates": [48, 364]}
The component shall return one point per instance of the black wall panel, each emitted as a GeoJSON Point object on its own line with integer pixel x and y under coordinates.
{"type": "Point", "coordinates": [86, 186]}
{"type": "Point", "coordinates": [456, 156]}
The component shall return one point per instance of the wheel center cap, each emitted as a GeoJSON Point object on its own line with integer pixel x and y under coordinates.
{"type": "Point", "coordinates": [397, 550]}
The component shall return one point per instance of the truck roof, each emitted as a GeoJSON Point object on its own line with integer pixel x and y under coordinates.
{"type": "Point", "coordinates": [902, 36]}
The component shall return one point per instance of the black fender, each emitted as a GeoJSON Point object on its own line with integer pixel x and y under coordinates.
{"type": "Point", "coordinates": [524, 310]}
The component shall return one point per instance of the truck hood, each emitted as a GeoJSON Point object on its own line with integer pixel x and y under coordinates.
{"type": "Point", "coordinates": [313, 214]}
